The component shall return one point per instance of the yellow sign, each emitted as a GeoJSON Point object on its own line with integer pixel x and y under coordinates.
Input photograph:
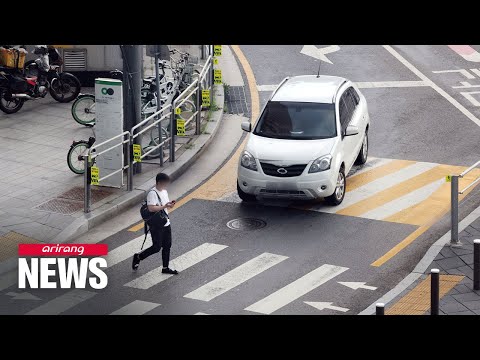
{"type": "Point", "coordinates": [94, 175]}
{"type": "Point", "coordinates": [205, 98]}
{"type": "Point", "coordinates": [217, 76]}
{"type": "Point", "coordinates": [215, 61]}
{"type": "Point", "coordinates": [137, 153]}
{"type": "Point", "coordinates": [178, 111]}
{"type": "Point", "coordinates": [448, 178]}
{"type": "Point", "coordinates": [180, 127]}
{"type": "Point", "coordinates": [217, 50]}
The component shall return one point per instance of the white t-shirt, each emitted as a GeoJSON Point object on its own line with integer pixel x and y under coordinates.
{"type": "Point", "coordinates": [152, 199]}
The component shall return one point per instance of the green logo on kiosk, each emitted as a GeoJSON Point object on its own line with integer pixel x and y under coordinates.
{"type": "Point", "coordinates": [107, 91]}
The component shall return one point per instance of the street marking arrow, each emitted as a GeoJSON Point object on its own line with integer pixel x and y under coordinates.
{"type": "Point", "coordinates": [22, 296]}
{"type": "Point", "coordinates": [313, 51]}
{"type": "Point", "coordinates": [325, 305]}
{"type": "Point", "coordinates": [357, 285]}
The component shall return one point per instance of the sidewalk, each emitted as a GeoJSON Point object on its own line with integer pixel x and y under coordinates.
{"type": "Point", "coordinates": [456, 281]}
{"type": "Point", "coordinates": [41, 200]}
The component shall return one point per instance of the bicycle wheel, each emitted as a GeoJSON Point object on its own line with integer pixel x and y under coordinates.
{"type": "Point", "coordinates": [188, 108]}
{"type": "Point", "coordinates": [154, 139]}
{"type": "Point", "coordinates": [83, 110]}
{"type": "Point", "coordinates": [74, 161]}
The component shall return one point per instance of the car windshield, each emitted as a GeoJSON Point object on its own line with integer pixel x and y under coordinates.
{"type": "Point", "coordinates": [297, 120]}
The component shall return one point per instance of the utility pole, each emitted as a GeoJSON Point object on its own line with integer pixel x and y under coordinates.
{"type": "Point", "coordinates": [132, 84]}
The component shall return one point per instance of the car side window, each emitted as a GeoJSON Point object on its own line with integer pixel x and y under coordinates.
{"type": "Point", "coordinates": [344, 112]}
{"type": "Point", "coordinates": [355, 95]}
{"type": "Point", "coordinates": [351, 100]}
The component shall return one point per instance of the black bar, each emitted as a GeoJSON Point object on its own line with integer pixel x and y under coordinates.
{"type": "Point", "coordinates": [476, 264]}
{"type": "Point", "coordinates": [434, 292]}
{"type": "Point", "coordinates": [380, 309]}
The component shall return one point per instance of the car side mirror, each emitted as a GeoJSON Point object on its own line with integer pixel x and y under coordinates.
{"type": "Point", "coordinates": [246, 126]}
{"type": "Point", "coordinates": [351, 130]}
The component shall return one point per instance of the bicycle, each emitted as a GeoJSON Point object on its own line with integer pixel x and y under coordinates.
{"type": "Point", "coordinates": [75, 154]}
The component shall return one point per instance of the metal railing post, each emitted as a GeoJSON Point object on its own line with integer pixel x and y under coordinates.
{"type": "Point", "coordinates": [476, 264]}
{"type": "Point", "coordinates": [173, 132]}
{"type": "Point", "coordinates": [198, 119]}
{"type": "Point", "coordinates": [159, 107]}
{"type": "Point", "coordinates": [454, 210]}
{"type": "Point", "coordinates": [86, 184]}
{"type": "Point", "coordinates": [434, 291]}
{"type": "Point", "coordinates": [130, 163]}
{"type": "Point", "coordinates": [380, 309]}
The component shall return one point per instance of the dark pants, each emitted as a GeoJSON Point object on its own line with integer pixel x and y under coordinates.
{"type": "Point", "coordinates": [161, 239]}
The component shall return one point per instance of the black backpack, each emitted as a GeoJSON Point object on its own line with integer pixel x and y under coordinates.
{"type": "Point", "coordinates": [147, 216]}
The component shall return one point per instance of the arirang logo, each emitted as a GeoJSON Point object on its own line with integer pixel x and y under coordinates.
{"type": "Point", "coordinates": [107, 91]}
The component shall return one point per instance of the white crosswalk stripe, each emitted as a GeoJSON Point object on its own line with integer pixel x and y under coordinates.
{"type": "Point", "coordinates": [63, 302]}
{"type": "Point", "coordinates": [180, 263]}
{"type": "Point", "coordinates": [127, 250]}
{"type": "Point", "coordinates": [372, 163]}
{"type": "Point", "coordinates": [137, 307]}
{"type": "Point", "coordinates": [385, 182]}
{"type": "Point", "coordinates": [8, 279]}
{"type": "Point", "coordinates": [296, 289]}
{"type": "Point", "coordinates": [235, 277]}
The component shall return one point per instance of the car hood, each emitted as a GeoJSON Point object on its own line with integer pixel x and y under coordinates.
{"type": "Point", "coordinates": [264, 148]}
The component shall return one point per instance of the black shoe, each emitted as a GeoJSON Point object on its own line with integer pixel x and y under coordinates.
{"type": "Point", "coordinates": [135, 261]}
{"type": "Point", "coordinates": [169, 271]}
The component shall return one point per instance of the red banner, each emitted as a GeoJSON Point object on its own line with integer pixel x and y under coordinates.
{"type": "Point", "coordinates": [55, 250]}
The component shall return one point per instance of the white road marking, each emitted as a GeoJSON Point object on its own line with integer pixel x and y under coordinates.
{"type": "Point", "coordinates": [469, 97]}
{"type": "Point", "coordinates": [467, 52]}
{"type": "Point", "coordinates": [63, 302]}
{"type": "Point", "coordinates": [8, 279]}
{"type": "Point", "coordinates": [137, 307]}
{"type": "Point", "coordinates": [296, 289]}
{"type": "Point", "coordinates": [460, 71]}
{"type": "Point", "coordinates": [390, 84]}
{"type": "Point", "coordinates": [266, 87]}
{"type": "Point", "coordinates": [439, 90]}
{"type": "Point", "coordinates": [403, 202]}
{"type": "Point", "coordinates": [476, 71]}
{"type": "Point", "coordinates": [465, 85]}
{"type": "Point", "coordinates": [22, 296]}
{"type": "Point", "coordinates": [127, 250]}
{"type": "Point", "coordinates": [372, 163]}
{"type": "Point", "coordinates": [325, 305]}
{"type": "Point", "coordinates": [319, 53]}
{"type": "Point", "coordinates": [201, 313]}
{"type": "Point", "coordinates": [373, 187]}
{"type": "Point", "coordinates": [355, 285]}
{"type": "Point", "coordinates": [180, 263]}
{"type": "Point", "coordinates": [235, 277]}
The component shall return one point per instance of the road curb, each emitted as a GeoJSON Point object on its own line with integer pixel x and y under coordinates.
{"type": "Point", "coordinates": [87, 221]}
{"type": "Point", "coordinates": [422, 265]}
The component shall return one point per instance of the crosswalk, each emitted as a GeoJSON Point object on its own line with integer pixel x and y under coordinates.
{"type": "Point", "coordinates": [401, 191]}
{"type": "Point", "coordinates": [281, 294]}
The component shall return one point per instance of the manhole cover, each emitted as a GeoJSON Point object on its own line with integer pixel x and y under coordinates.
{"type": "Point", "coordinates": [77, 193]}
{"type": "Point", "coordinates": [61, 206]}
{"type": "Point", "coordinates": [246, 224]}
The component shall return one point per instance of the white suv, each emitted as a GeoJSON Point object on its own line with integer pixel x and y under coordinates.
{"type": "Point", "coordinates": [310, 133]}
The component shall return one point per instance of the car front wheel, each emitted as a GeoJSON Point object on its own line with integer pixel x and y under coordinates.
{"type": "Point", "coordinates": [363, 154]}
{"type": "Point", "coordinates": [337, 197]}
{"type": "Point", "coordinates": [244, 196]}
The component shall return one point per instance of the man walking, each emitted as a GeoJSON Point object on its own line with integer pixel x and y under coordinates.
{"type": "Point", "coordinates": [157, 200]}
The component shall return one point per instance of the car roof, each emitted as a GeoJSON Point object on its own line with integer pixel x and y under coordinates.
{"type": "Point", "coordinates": [309, 88]}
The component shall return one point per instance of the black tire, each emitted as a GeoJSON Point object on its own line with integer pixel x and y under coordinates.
{"type": "Point", "coordinates": [77, 148]}
{"type": "Point", "coordinates": [82, 110]}
{"type": "Point", "coordinates": [363, 154]}
{"type": "Point", "coordinates": [244, 196]}
{"type": "Point", "coordinates": [65, 83]}
{"type": "Point", "coordinates": [9, 105]}
{"type": "Point", "coordinates": [337, 197]}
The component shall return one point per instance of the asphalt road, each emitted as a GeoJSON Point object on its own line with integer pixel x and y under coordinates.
{"type": "Point", "coordinates": [423, 128]}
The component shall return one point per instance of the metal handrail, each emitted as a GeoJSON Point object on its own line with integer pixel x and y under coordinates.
{"type": "Point", "coordinates": [106, 142]}
{"type": "Point", "coordinates": [143, 122]}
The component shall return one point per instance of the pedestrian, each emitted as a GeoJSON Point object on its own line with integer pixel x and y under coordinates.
{"type": "Point", "coordinates": [157, 200]}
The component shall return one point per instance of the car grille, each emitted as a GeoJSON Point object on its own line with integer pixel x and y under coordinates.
{"type": "Point", "coordinates": [296, 193]}
{"type": "Point", "coordinates": [293, 170]}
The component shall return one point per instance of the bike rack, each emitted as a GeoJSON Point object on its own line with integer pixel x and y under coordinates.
{"type": "Point", "coordinates": [454, 192]}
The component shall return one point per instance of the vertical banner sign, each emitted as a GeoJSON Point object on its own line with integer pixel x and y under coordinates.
{"type": "Point", "coordinates": [109, 123]}
{"type": "Point", "coordinates": [448, 178]}
{"type": "Point", "coordinates": [137, 153]}
{"type": "Point", "coordinates": [217, 50]}
{"type": "Point", "coordinates": [205, 98]}
{"type": "Point", "coordinates": [217, 76]}
{"type": "Point", "coordinates": [180, 127]}
{"type": "Point", "coordinates": [94, 175]}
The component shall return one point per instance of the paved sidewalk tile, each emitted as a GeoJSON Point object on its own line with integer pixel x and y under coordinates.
{"type": "Point", "coordinates": [450, 263]}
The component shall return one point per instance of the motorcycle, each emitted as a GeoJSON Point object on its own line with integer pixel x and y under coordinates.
{"type": "Point", "coordinates": [38, 78]}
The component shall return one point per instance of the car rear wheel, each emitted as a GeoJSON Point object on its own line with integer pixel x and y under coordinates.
{"type": "Point", "coordinates": [244, 196]}
{"type": "Point", "coordinates": [337, 197]}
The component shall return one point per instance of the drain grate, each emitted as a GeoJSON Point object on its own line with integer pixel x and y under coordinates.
{"type": "Point", "coordinates": [76, 193]}
{"type": "Point", "coordinates": [246, 224]}
{"type": "Point", "coordinates": [236, 100]}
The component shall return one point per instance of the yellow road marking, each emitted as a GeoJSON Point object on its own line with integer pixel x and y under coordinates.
{"type": "Point", "coordinates": [10, 243]}
{"type": "Point", "coordinates": [417, 301]}
{"type": "Point", "coordinates": [223, 181]}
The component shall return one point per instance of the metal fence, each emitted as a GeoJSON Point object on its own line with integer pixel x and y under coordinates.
{"type": "Point", "coordinates": [454, 192]}
{"type": "Point", "coordinates": [204, 81]}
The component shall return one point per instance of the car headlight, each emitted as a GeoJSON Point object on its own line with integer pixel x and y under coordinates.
{"type": "Point", "coordinates": [248, 161]}
{"type": "Point", "coordinates": [321, 164]}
